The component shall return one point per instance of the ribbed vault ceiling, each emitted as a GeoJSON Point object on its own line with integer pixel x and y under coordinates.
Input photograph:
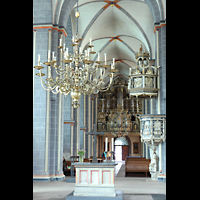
{"type": "Point", "coordinates": [117, 28]}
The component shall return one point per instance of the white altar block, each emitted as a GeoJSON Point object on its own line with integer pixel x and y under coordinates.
{"type": "Point", "coordinates": [95, 179]}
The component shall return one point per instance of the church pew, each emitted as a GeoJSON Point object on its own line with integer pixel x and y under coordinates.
{"type": "Point", "coordinates": [133, 164]}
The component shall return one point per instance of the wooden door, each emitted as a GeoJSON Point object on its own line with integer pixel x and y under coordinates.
{"type": "Point", "coordinates": [124, 152]}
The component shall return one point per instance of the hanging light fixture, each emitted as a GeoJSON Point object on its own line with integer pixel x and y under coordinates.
{"type": "Point", "coordinates": [80, 74]}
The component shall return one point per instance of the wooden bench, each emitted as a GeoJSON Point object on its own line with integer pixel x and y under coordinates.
{"type": "Point", "coordinates": [134, 164]}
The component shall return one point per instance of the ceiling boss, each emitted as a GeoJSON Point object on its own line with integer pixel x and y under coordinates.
{"type": "Point", "coordinates": [79, 74]}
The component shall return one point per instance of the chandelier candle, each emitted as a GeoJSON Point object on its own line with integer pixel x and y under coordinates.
{"type": "Point", "coordinates": [113, 65]}
{"type": "Point", "coordinates": [129, 71]}
{"type": "Point", "coordinates": [66, 51]}
{"type": "Point", "coordinates": [98, 56]}
{"type": "Point", "coordinates": [49, 54]}
{"type": "Point", "coordinates": [105, 58]}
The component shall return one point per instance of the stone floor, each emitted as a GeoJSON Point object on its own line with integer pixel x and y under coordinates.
{"type": "Point", "coordinates": [134, 188]}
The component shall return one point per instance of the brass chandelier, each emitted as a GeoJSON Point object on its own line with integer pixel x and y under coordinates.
{"type": "Point", "coordinates": [79, 74]}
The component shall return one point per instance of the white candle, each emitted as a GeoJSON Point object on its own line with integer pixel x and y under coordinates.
{"type": "Point", "coordinates": [53, 55]}
{"type": "Point", "coordinates": [113, 65]}
{"type": "Point", "coordinates": [67, 51]}
{"type": "Point", "coordinates": [39, 59]}
{"type": "Point", "coordinates": [85, 54]}
{"type": "Point", "coordinates": [105, 58]}
{"type": "Point", "coordinates": [112, 144]}
{"type": "Point", "coordinates": [88, 54]}
{"type": "Point", "coordinates": [79, 50]}
{"type": "Point", "coordinates": [72, 38]}
{"type": "Point", "coordinates": [54, 58]}
{"type": "Point", "coordinates": [60, 42]}
{"type": "Point", "coordinates": [106, 144]}
{"type": "Point", "coordinates": [90, 41]}
{"type": "Point", "coordinates": [101, 73]}
{"type": "Point", "coordinates": [64, 47]}
{"type": "Point", "coordinates": [98, 56]}
{"type": "Point", "coordinates": [113, 61]}
{"type": "Point", "coordinates": [129, 71]}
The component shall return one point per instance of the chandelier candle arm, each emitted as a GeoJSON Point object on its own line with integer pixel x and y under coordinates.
{"type": "Point", "coordinates": [104, 90]}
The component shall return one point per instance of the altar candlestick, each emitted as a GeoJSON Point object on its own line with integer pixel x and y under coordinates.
{"type": "Point", "coordinates": [106, 144]}
{"type": "Point", "coordinates": [112, 144]}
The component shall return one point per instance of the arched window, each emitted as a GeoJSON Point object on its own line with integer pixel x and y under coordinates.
{"type": "Point", "coordinates": [121, 141]}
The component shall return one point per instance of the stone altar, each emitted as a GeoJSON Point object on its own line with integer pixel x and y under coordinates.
{"type": "Point", "coordinates": [95, 180]}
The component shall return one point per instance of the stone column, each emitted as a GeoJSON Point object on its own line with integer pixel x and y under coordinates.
{"type": "Point", "coordinates": [84, 122]}
{"type": "Point", "coordinates": [89, 143]}
{"type": "Point", "coordinates": [47, 113]}
{"type": "Point", "coordinates": [34, 45]}
{"type": "Point", "coordinates": [72, 131]}
{"type": "Point", "coordinates": [158, 65]}
{"type": "Point", "coordinates": [78, 128]}
{"type": "Point", "coordinates": [92, 124]}
{"type": "Point", "coordinates": [39, 109]}
{"type": "Point", "coordinates": [59, 116]}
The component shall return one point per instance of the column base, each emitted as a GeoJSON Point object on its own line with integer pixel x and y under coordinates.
{"type": "Point", "coordinates": [162, 177]}
{"type": "Point", "coordinates": [47, 178]}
